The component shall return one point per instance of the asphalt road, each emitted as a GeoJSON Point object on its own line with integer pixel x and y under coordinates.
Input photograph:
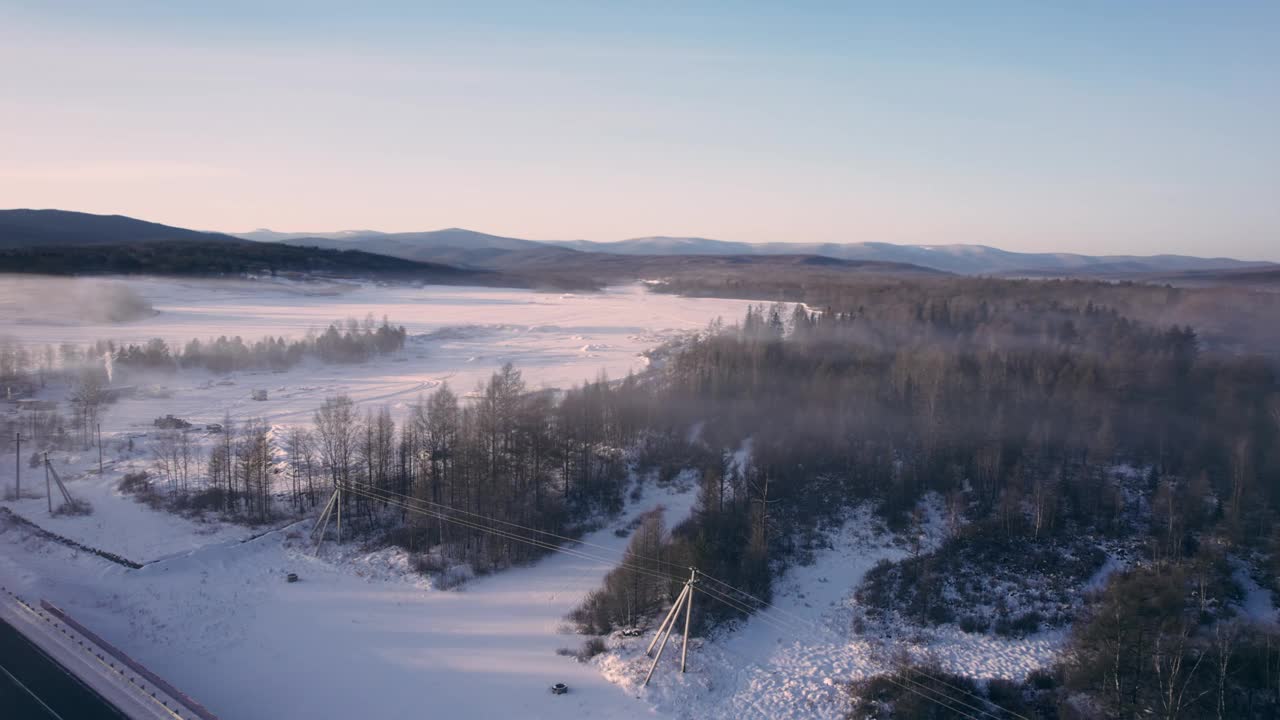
{"type": "Point", "coordinates": [34, 687]}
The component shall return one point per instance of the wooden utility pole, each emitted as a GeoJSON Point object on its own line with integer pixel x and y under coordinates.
{"type": "Point", "coordinates": [322, 522]}
{"type": "Point", "coordinates": [688, 613]}
{"type": "Point", "coordinates": [99, 449]}
{"type": "Point", "coordinates": [17, 466]}
{"type": "Point", "coordinates": [666, 620]}
{"type": "Point", "coordinates": [683, 603]}
{"type": "Point", "coordinates": [48, 491]}
{"type": "Point", "coordinates": [665, 632]}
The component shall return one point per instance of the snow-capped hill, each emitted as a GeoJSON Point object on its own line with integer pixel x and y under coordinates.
{"type": "Point", "coordinates": [268, 235]}
{"type": "Point", "coordinates": [965, 259]}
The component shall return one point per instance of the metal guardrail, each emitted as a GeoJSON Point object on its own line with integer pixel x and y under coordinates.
{"type": "Point", "coordinates": [196, 708]}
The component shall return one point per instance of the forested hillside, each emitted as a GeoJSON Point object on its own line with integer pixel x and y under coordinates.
{"type": "Point", "coordinates": [1015, 407]}
{"type": "Point", "coordinates": [1234, 321]}
{"type": "Point", "coordinates": [214, 258]}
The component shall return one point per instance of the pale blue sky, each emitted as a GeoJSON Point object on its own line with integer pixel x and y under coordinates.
{"type": "Point", "coordinates": [1100, 127]}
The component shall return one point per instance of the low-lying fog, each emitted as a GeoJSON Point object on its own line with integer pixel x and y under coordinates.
{"type": "Point", "coordinates": [456, 334]}
{"type": "Point", "coordinates": [32, 301]}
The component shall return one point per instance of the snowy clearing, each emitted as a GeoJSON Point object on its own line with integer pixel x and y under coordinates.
{"type": "Point", "coordinates": [458, 335]}
{"type": "Point", "coordinates": [221, 623]}
{"type": "Point", "coordinates": [794, 662]}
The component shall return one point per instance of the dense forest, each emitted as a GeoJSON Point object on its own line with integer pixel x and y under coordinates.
{"type": "Point", "coordinates": [1227, 320]}
{"type": "Point", "coordinates": [226, 257]}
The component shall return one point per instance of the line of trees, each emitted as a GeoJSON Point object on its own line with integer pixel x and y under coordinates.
{"type": "Point", "coordinates": [24, 369]}
{"type": "Point", "coordinates": [508, 454]}
{"type": "Point", "coordinates": [352, 342]}
{"type": "Point", "coordinates": [90, 370]}
{"type": "Point", "coordinates": [548, 463]}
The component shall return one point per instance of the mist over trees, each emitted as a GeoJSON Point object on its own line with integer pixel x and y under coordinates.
{"type": "Point", "coordinates": [23, 368]}
{"type": "Point", "coordinates": [1014, 408]}
{"type": "Point", "coordinates": [1233, 321]}
{"type": "Point", "coordinates": [1011, 403]}
{"type": "Point", "coordinates": [351, 342]}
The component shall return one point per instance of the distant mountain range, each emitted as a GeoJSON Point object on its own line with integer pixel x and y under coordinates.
{"type": "Point", "coordinates": [71, 242]}
{"type": "Point", "coordinates": [469, 247]}
{"type": "Point", "coordinates": [59, 242]}
{"type": "Point", "coordinates": [34, 228]}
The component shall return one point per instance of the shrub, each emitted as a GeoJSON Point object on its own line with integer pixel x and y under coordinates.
{"type": "Point", "coordinates": [974, 578]}
{"type": "Point", "coordinates": [210, 499]}
{"type": "Point", "coordinates": [591, 648]}
{"type": "Point", "coordinates": [75, 507]}
{"type": "Point", "coordinates": [135, 483]}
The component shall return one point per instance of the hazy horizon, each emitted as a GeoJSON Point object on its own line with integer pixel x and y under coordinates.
{"type": "Point", "coordinates": [358, 231]}
{"type": "Point", "coordinates": [1098, 129]}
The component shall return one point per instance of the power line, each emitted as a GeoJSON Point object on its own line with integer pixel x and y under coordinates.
{"type": "Point", "coordinates": [941, 703]}
{"type": "Point", "coordinates": [607, 562]}
{"type": "Point", "coordinates": [547, 533]}
{"type": "Point", "coordinates": [794, 628]}
{"type": "Point", "coordinates": [577, 541]}
{"type": "Point", "coordinates": [960, 701]}
{"type": "Point", "coordinates": [725, 600]}
{"type": "Point", "coordinates": [815, 626]}
{"type": "Point", "coordinates": [412, 504]}
{"type": "Point", "coordinates": [372, 493]}
{"type": "Point", "coordinates": [377, 494]}
{"type": "Point", "coordinates": [407, 502]}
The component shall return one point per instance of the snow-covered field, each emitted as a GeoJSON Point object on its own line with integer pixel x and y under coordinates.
{"type": "Point", "coordinates": [353, 638]}
{"type": "Point", "coordinates": [794, 659]}
{"type": "Point", "coordinates": [363, 636]}
{"type": "Point", "coordinates": [456, 334]}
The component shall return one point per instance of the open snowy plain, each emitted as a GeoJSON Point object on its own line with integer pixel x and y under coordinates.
{"type": "Point", "coordinates": [362, 635]}
{"type": "Point", "coordinates": [456, 334]}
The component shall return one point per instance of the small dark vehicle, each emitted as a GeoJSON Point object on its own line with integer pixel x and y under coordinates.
{"type": "Point", "coordinates": [559, 689]}
{"type": "Point", "coordinates": [291, 577]}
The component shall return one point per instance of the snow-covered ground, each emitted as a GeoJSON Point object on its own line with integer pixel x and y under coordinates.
{"type": "Point", "coordinates": [793, 661]}
{"type": "Point", "coordinates": [557, 338]}
{"type": "Point", "coordinates": [361, 635]}
{"type": "Point", "coordinates": [456, 334]}
{"type": "Point", "coordinates": [117, 524]}
{"type": "Point", "coordinates": [350, 639]}
{"type": "Point", "coordinates": [1258, 604]}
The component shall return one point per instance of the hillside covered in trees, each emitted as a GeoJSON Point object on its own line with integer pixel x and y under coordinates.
{"type": "Point", "coordinates": [216, 258]}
